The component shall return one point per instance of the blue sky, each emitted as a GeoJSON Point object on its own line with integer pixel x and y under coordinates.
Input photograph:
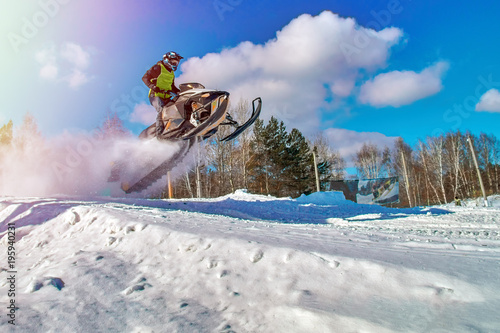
{"type": "Point", "coordinates": [356, 70]}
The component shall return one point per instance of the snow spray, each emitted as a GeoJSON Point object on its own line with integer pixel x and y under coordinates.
{"type": "Point", "coordinates": [75, 164]}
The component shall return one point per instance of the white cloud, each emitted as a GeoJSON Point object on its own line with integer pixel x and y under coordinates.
{"type": "Point", "coordinates": [399, 88]}
{"type": "Point", "coordinates": [489, 102]}
{"type": "Point", "coordinates": [49, 72]}
{"type": "Point", "coordinates": [143, 114]}
{"type": "Point", "coordinates": [66, 64]}
{"type": "Point", "coordinates": [310, 58]}
{"type": "Point", "coordinates": [74, 53]}
{"type": "Point", "coordinates": [47, 58]}
{"type": "Point", "coordinates": [343, 87]}
{"type": "Point", "coordinates": [77, 78]}
{"type": "Point", "coordinates": [348, 142]}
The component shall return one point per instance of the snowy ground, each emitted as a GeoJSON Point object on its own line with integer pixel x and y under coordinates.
{"type": "Point", "coordinates": [248, 263]}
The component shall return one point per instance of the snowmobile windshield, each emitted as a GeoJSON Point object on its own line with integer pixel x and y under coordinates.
{"type": "Point", "coordinates": [191, 85]}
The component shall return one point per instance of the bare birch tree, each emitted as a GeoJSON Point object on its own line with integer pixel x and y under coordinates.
{"type": "Point", "coordinates": [403, 164]}
{"type": "Point", "coordinates": [336, 164]}
{"type": "Point", "coordinates": [372, 162]}
{"type": "Point", "coordinates": [430, 176]}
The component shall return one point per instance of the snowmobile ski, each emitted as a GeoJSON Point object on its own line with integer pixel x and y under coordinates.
{"type": "Point", "coordinates": [250, 121]}
{"type": "Point", "coordinates": [159, 171]}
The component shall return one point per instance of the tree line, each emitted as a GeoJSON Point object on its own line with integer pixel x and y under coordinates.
{"type": "Point", "coordinates": [437, 169]}
{"type": "Point", "coordinates": [272, 160]}
{"type": "Point", "coordinates": [268, 160]}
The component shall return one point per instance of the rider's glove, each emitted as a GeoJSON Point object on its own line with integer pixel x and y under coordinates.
{"type": "Point", "coordinates": [173, 96]}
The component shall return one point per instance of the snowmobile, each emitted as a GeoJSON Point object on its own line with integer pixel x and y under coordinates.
{"type": "Point", "coordinates": [196, 115]}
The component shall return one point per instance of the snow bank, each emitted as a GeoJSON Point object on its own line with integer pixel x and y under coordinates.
{"type": "Point", "coordinates": [244, 195]}
{"type": "Point", "coordinates": [324, 198]}
{"type": "Point", "coordinates": [129, 265]}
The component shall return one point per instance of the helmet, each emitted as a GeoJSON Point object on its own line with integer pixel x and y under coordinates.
{"type": "Point", "coordinates": [171, 59]}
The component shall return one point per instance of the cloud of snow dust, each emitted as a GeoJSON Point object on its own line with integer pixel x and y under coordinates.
{"type": "Point", "coordinates": [77, 164]}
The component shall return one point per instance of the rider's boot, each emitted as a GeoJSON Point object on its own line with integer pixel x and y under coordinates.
{"type": "Point", "coordinates": [160, 127]}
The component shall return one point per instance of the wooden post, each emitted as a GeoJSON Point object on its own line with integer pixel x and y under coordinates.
{"type": "Point", "coordinates": [198, 182]}
{"type": "Point", "coordinates": [198, 176]}
{"type": "Point", "coordinates": [478, 171]}
{"type": "Point", "coordinates": [318, 188]}
{"type": "Point", "coordinates": [169, 185]}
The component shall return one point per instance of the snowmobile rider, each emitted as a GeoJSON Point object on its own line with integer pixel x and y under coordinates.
{"type": "Point", "coordinates": [160, 81]}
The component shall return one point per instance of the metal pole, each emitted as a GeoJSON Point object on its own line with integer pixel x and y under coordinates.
{"type": "Point", "coordinates": [318, 189]}
{"type": "Point", "coordinates": [406, 178]}
{"type": "Point", "coordinates": [478, 172]}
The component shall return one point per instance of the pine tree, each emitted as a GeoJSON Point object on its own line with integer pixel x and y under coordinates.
{"type": "Point", "coordinates": [281, 162]}
{"type": "Point", "coordinates": [267, 150]}
{"type": "Point", "coordinates": [259, 160]}
{"type": "Point", "coordinates": [298, 164]}
{"type": "Point", "coordinates": [6, 133]}
{"type": "Point", "coordinates": [276, 137]}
